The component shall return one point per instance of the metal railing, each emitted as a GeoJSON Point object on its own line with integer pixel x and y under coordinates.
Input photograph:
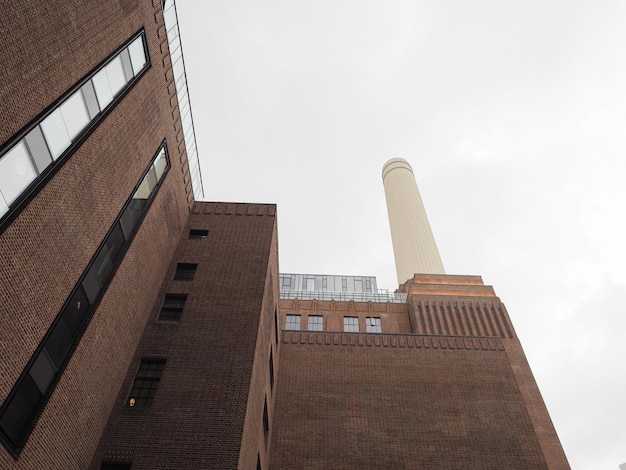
{"type": "Point", "coordinates": [381, 296]}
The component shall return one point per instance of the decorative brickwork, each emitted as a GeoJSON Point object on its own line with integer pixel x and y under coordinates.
{"type": "Point", "coordinates": [394, 341]}
{"type": "Point", "coordinates": [460, 317]}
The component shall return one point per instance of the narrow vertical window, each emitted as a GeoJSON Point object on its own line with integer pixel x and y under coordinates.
{"type": "Point", "coordinates": [146, 382]}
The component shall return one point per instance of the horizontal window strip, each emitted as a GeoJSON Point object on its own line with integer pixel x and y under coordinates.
{"type": "Point", "coordinates": [22, 407]}
{"type": "Point", "coordinates": [48, 141]}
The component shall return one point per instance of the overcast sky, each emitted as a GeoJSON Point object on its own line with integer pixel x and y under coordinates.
{"type": "Point", "coordinates": [512, 114]}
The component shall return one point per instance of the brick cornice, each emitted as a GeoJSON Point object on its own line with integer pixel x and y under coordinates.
{"type": "Point", "coordinates": [477, 343]}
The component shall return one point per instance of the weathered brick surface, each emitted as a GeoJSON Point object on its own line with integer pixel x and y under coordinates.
{"type": "Point", "coordinates": [47, 48]}
{"type": "Point", "coordinates": [378, 401]}
{"type": "Point", "coordinates": [208, 409]}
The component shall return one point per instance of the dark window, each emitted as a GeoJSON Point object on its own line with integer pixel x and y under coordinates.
{"type": "Point", "coordinates": [65, 330]}
{"type": "Point", "coordinates": [18, 415]}
{"type": "Point", "coordinates": [271, 369]}
{"type": "Point", "coordinates": [115, 466]}
{"type": "Point", "coordinates": [146, 382]}
{"type": "Point", "coordinates": [185, 271]}
{"type": "Point", "coordinates": [266, 421]}
{"type": "Point", "coordinates": [29, 394]}
{"type": "Point", "coordinates": [173, 306]}
{"type": "Point", "coordinates": [198, 234]}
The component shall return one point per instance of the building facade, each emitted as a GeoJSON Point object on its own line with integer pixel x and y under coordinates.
{"type": "Point", "coordinates": [433, 377]}
{"type": "Point", "coordinates": [142, 328]}
{"type": "Point", "coordinates": [96, 185]}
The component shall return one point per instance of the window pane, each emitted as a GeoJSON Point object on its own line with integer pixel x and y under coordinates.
{"type": "Point", "coordinates": [159, 165]}
{"type": "Point", "coordinates": [152, 179]}
{"type": "Point", "coordinates": [91, 285]}
{"type": "Point", "coordinates": [16, 172]}
{"type": "Point", "coordinates": [58, 344]}
{"type": "Point", "coordinates": [90, 99]}
{"type": "Point", "coordinates": [55, 133]}
{"type": "Point", "coordinates": [373, 325]}
{"type": "Point", "coordinates": [75, 311]}
{"type": "Point", "coordinates": [115, 72]}
{"type": "Point", "coordinates": [143, 192]}
{"type": "Point", "coordinates": [126, 65]}
{"type": "Point", "coordinates": [292, 322]}
{"type": "Point", "coordinates": [75, 114]}
{"type": "Point", "coordinates": [38, 149]}
{"type": "Point", "coordinates": [132, 214]}
{"type": "Point", "coordinates": [105, 261]}
{"type": "Point", "coordinates": [103, 89]}
{"type": "Point", "coordinates": [351, 324]}
{"type": "Point", "coordinates": [42, 372]}
{"type": "Point", "coordinates": [169, 15]}
{"type": "Point", "coordinates": [115, 242]}
{"type": "Point", "coordinates": [18, 413]}
{"type": "Point", "coordinates": [316, 323]}
{"type": "Point", "coordinates": [4, 207]}
{"type": "Point", "coordinates": [137, 55]}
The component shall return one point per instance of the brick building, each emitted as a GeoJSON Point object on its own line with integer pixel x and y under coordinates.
{"type": "Point", "coordinates": [141, 328]}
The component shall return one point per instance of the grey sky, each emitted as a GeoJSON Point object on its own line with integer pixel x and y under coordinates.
{"type": "Point", "coordinates": [512, 115]}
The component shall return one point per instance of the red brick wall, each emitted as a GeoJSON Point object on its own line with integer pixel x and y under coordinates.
{"type": "Point", "coordinates": [47, 48]}
{"type": "Point", "coordinates": [396, 401]}
{"type": "Point", "coordinates": [210, 398]}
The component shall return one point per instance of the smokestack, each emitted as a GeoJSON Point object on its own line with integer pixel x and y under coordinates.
{"type": "Point", "coordinates": [414, 246]}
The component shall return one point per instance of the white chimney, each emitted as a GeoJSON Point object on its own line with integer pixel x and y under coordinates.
{"type": "Point", "coordinates": [414, 246]}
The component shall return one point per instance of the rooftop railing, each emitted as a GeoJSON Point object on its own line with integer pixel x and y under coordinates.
{"type": "Point", "coordinates": [381, 296]}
